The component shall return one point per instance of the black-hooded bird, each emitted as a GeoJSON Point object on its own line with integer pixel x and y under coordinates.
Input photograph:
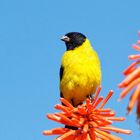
{"type": "Point", "coordinates": [80, 71]}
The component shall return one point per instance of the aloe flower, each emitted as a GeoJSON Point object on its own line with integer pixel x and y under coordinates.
{"type": "Point", "coordinates": [91, 121]}
{"type": "Point", "coordinates": [132, 81]}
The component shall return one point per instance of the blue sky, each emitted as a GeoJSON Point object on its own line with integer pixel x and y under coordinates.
{"type": "Point", "coordinates": [30, 57]}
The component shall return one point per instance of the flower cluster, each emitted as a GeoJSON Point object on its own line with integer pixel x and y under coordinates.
{"type": "Point", "coordinates": [90, 120]}
{"type": "Point", "coordinates": [132, 81]}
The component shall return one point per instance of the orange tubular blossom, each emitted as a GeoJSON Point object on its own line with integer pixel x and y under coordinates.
{"type": "Point", "coordinates": [132, 81]}
{"type": "Point", "coordinates": [89, 121]}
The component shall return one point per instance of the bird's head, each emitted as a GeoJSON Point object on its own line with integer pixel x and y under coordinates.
{"type": "Point", "coordinates": [73, 40]}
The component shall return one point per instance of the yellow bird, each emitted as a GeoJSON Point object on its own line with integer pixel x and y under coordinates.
{"type": "Point", "coordinates": [80, 71]}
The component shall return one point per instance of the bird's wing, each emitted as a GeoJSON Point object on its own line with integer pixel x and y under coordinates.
{"type": "Point", "coordinates": [61, 72]}
{"type": "Point", "coordinates": [61, 75]}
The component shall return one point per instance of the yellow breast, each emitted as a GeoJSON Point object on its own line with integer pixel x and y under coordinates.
{"type": "Point", "coordinates": [81, 74]}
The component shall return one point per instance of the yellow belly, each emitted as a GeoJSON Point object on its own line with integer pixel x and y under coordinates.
{"type": "Point", "coordinates": [77, 84]}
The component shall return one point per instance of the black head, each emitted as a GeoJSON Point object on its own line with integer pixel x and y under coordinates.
{"type": "Point", "coordinates": [73, 40]}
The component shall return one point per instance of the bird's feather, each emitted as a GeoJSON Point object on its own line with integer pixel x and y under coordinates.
{"type": "Point", "coordinates": [80, 74]}
{"type": "Point", "coordinates": [61, 72]}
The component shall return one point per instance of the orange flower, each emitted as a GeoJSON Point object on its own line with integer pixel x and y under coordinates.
{"type": "Point", "coordinates": [132, 81]}
{"type": "Point", "coordinates": [90, 120]}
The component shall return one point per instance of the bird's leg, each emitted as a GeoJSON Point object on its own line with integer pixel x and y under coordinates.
{"type": "Point", "coordinates": [90, 97]}
{"type": "Point", "coordinates": [72, 102]}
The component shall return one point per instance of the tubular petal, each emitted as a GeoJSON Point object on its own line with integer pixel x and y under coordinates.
{"type": "Point", "coordinates": [104, 110]}
{"type": "Point", "coordinates": [134, 98]}
{"type": "Point", "coordinates": [138, 42]}
{"type": "Point", "coordinates": [66, 135]}
{"type": "Point", "coordinates": [88, 137]}
{"type": "Point", "coordinates": [53, 117]}
{"type": "Point", "coordinates": [102, 135]}
{"type": "Point", "coordinates": [116, 119]}
{"type": "Point", "coordinates": [130, 68]}
{"type": "Point", "coordinates": [63, 108]}
{"type": "Point", "coordinates": [133, 57]}
{"type": "Point", "coordinates": [129, 87]}
{"type": "Point", "coordinates": [131, 77]}
{"type": "Point", "coordinates": [84, 136]}
{"type": "Point", "coordinates": [77, 138]}
{"type": "Point", "coordinates": [117, 130]}
{"type": "Point", "coordinates": [98, 102]}
{"type": "Point", "coordinates": [106, 99]}
{"type": "Point", "coordinates": [64, 101]}
{"type": "Point", "coordinates": [81, 110]}
{"type": "Point", "coordinates": [106, 135]}
{"type": "Point", "coordinates": [64, 118]}
{"type": "Point", "coordinates": [85, 128]}
{"type": "Point", "coordinates": [109, 114]}
{"type": "Point", "coordinates": [92, 134]}
{"type": "Point", "coordinates": [97, 94]}
{"type": "Point", "coordinates": [55, 131]}
{"type": "Point", "coordinates": [136, 47]}
{"type": "Point", "coordinates": [138, 109]}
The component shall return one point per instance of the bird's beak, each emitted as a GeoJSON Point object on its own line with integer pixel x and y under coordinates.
{"type": "Point", "coordinates": [65, 38]}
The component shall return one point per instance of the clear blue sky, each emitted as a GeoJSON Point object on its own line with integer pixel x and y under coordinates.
{"type": "Point", "coordinates": [31, 50]}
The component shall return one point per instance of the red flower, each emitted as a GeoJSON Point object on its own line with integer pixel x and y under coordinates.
{"type": "Point", "coordinates": [91, 120]}
{"type": "Point", "coordinates": [132, 81]}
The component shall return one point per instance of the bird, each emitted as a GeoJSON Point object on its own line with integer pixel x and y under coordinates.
{"type": "Point", "coordinates": [80, 70]}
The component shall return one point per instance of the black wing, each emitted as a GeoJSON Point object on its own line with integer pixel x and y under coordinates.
{"type": "Point", "coordinates": [61, 72]}
{"type": "Point", "coordinates": [61, 75]}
